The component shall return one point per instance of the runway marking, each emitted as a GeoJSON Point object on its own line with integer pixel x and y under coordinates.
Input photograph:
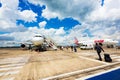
{"type": "Point", "coordinates": [21, 59]}
{"type": "Point", "coordinates": [9, 73]}
{"type": "Point", "coordinates": [57, 77]}
{"type": "Point", "coordinates": [118, 59]}
{"type": "Point", "coordinates": [115, 57]}
{"type": "Point", "coordinates": [94, 60]}
{"type": "Point", "coordinates": [93, 75]}
{"type": "Point", "coordinates": [12, 78]}
{"type": "Point", "coordinates": [12, 66]}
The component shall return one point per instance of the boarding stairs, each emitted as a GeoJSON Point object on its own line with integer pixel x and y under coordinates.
{"type": "Point", "coordinates": [51, 43]}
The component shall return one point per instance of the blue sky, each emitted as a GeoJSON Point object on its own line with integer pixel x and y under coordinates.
{"type": "Point", "coordinates": [59, 19]}
{"type": "Point", "coordinates": [56, 23]}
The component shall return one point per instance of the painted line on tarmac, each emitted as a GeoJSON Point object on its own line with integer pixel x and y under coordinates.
{"type": "Point", "coordinates": [79, 72]}
{"type": "Point", "coordinates": [96, 74]}
{"type": "Point", "coordinates": [93, 60]}
{"type": "Point", "coordinates": [9, 73]}
{"type": "Point", "coordinates": [11, 65]}
{"type": "Point", "coordinates": [10, 68]}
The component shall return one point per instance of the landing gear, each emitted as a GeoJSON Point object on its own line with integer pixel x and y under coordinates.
{"type": "Point", "coordinates": [41, 48]}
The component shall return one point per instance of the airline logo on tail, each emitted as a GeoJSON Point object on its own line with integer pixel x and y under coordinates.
{"type": "Point", "coordinates": [98, 41]}
{"type": "Point", "coordinates": [76, 41]}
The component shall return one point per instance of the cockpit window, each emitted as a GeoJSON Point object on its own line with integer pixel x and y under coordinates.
{"type": "Point", "coordinates": [38, 36]}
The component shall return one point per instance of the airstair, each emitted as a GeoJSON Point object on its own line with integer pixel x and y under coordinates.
{"type": "Point", "coordinates": [51, 43]}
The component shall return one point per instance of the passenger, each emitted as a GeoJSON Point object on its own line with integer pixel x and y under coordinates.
{"type": "Point", "coordinates": [98, 48]}
{"type": "Point", "coordinates": [71, 48]}
{"type": "Point", "coordinates": [75, 49]}
{"type": "Point", "coordinates": [30, 47]}
{"type": "Point", "coordinates": [61, 47]}
{"type": "Point", "coordinates": [67, 47]}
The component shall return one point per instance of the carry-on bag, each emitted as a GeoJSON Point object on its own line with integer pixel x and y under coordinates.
{"type": "Point", "coordinates": [107, 57]}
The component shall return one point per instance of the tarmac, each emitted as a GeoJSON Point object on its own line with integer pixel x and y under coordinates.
{"type": "Point", "coordinates": [18, 64]}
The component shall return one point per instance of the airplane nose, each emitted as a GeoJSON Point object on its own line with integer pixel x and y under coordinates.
{"type": "Point", "coordinates": [37, 40]}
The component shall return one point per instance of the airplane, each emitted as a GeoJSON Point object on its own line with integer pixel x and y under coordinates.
{"type": "Point", "coordinates": [106, 41]}
{"type": "Point", "coordinates": [109, 43]}
{"type": "Point", "coordinates": [39, 43]}
{"type": "Point", "coordinates": [43, 43]}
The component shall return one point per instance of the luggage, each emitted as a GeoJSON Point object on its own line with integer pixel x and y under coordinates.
{"type": "Point", "coordinates": [107, 58]}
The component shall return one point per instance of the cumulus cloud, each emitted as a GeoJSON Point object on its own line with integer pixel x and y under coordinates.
{"type": "Point", "coordinates": [108, 32]}
{"type": "Point", "coordinates": [55, 34]}
{"type": "Point", "coordinates": [10, 4]}
{"type": "Point", "coordinates": [60, 31]}
{"type": "Point", "coordinates": [107, 12]}
{"type": "Point", "coordinates": [27, 15]}
{"type": "Point", "coordinates": [100, 21]}
{"type": "Point", "coordinates": [48, 14]}
{"type": "Point", "coordinates": [105, 20]}
{"type": "Point", "coordinates": [42, 24]}
{"type": "Point", "coordinates": [78, 32]}
{"type": "Point", "coordinates": [6, 38]}
{"type": "Point", "coordinates": [63, 8]}
{"type": "Point", "coordinates": [9, 13]}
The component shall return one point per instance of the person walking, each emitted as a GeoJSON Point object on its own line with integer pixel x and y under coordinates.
{"type": "Point", "coordinates": [98, 49]}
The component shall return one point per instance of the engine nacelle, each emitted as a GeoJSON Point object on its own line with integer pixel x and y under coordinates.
{"type": "Point", "coordinates": [23, 46]}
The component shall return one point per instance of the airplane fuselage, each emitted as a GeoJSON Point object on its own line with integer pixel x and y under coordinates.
{"type": "Point", "coordinates": [37, 40]}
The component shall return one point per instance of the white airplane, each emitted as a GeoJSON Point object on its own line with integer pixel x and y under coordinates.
{"type": "Point", "coordinates": [40, 42]}
{"type": "Point", "coordinates": [106, 42]}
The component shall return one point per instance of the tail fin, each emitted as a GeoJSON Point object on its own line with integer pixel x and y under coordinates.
{"type": "Point", "coordinates": [76, 41]}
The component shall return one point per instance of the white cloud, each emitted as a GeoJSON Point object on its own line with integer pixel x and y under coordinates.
{"type": "Point", "coordinates": [90, 12]}
{"type": "Point", "coordinates": [110, 33]}
{"type": "Point", "coordinates": [64, 8]}
{"type": "Point", "coordinates": [42, 24]}
{"type": "Point", "coordinates": [48, 14]}
{"type": "Point", "coordinates": [54, 34]}
{"type": "Point", "coordinates": [10, 4]}
{"type": "Point", "coordinates": [60, 31]}
{"type": "Point", "coordinates": [6, 24]}
{"type": "Point", "coordinates": [100, 21]}
{"type": "Point", "coordinates": [27, 15]}
{"type": "Point", "coordinates": [8, 14]}
{"type": "Point", "coordinates": [110, 11]}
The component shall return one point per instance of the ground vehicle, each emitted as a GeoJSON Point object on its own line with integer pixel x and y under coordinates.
{"type": "Point", "coordinates": [86, 46]}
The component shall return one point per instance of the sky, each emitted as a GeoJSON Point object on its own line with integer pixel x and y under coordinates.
{"type": "Point", "coordinates": [61, 20]}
